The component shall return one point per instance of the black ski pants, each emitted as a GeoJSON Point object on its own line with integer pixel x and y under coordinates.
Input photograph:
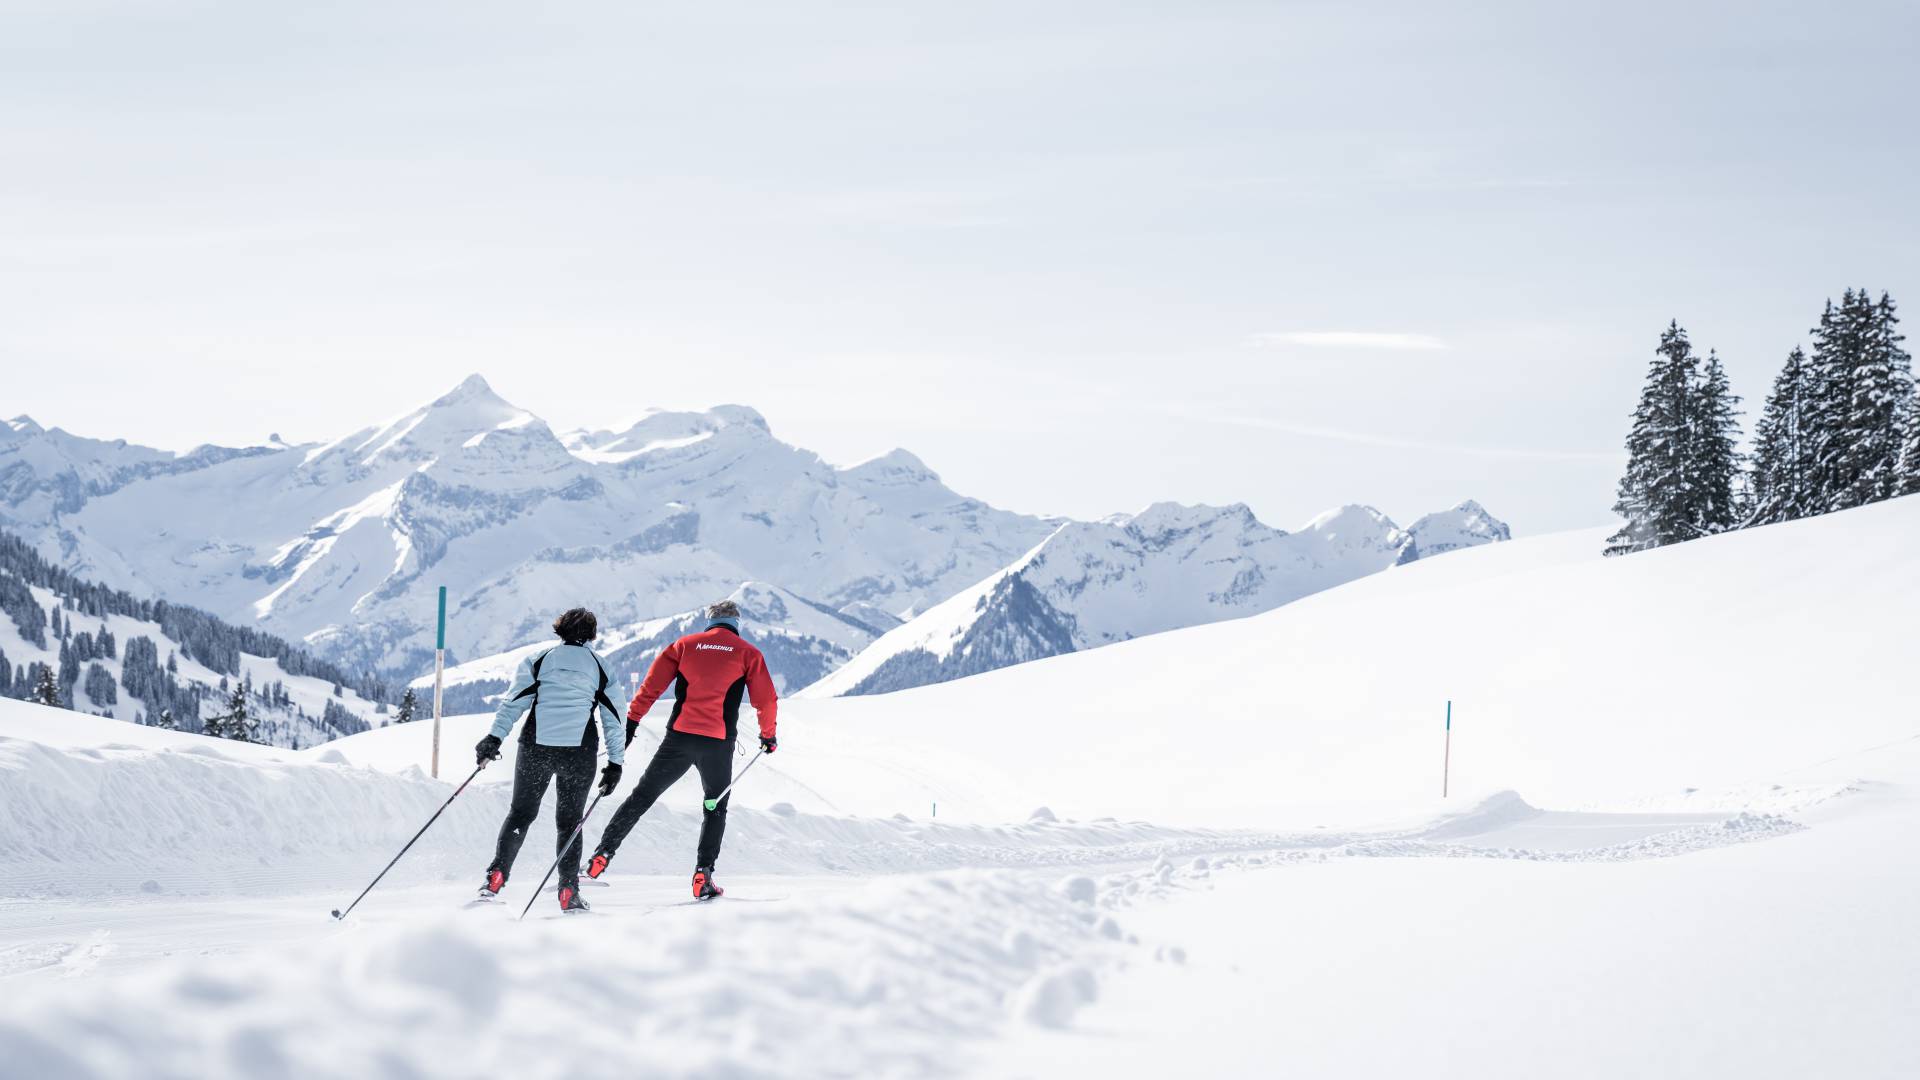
{"type": "Point", "coordinates": [572, 767]}
{"type": "Point", "coordinates": [679, 752]}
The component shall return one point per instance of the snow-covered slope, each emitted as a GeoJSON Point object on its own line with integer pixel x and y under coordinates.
{"type": "Point", "coordinates": [1735, 714]}
{"type": "Point", "coordinates": [1573, 678]}
{"type": "Point", "coordinates": [343, 545]}
{"type": "Point", "coordinates": [110, 654]}
{"type": "Point", "coordinates": [1169, 566]}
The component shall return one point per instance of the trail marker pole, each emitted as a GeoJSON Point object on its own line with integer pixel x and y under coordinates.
{"type": "Point", "coordinates": [1446, 758]}
{"type": "Point", "coordinates": [439, 673]}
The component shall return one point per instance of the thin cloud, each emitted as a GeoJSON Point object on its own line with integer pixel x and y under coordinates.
{"type": "Point", "coordinates": [1348, 339]}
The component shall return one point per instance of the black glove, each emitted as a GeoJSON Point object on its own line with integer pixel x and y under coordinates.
{"type": "Point", "coordinates": [487, 749]}
{"type": "Point", "coordinates": [609, 778]}
{"type": "Point", "coordinates": [632, 726]}
{"type": "Point", "coordinates": [768, 744]}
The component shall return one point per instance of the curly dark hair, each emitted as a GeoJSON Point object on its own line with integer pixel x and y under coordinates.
{"type": "Point", "coordinates": [577, 626]}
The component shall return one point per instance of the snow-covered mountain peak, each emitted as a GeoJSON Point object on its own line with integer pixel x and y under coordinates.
{"type": "Point", "coordinates": [741, 416]}
{"type": "Point", "coordinates": [1465, 525]}
{"type": "Point", "coordinates": [473, 389]}
{"type": "Point", "coordinates": [465, 432]}
{"type": "Point", "coordinates": [24, 425]}
{"type": "Point", "coordinates": [896, 466]}
{"type": "Point", "coordinates": [1160, 523]}
{"type": "Point", "coordinates": [1351, 520]}
{"type": "Point", "coordinates": [662, 429]}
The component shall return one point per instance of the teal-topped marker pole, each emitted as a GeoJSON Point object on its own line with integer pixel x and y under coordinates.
{"type": "Point", "coordinates": [439, 672]}
{"type": "Point", "coordinates": [1446, 757]}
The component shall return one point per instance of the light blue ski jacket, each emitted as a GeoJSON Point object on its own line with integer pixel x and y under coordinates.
{"type": "Point", "coordinates": [558, 687]}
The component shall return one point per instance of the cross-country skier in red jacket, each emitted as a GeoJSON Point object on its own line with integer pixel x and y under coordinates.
{"type": "Point", "coordinates": [709, 672]}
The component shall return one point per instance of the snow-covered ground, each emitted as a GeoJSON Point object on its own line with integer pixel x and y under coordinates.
{"type": "Point", "coordinates": [1679, 843]}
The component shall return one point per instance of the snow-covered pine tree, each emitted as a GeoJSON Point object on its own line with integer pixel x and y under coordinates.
{"type": "Point", "coordinates": [69, 672]}
{"type": "Point", "coordinates": [1783, 451]}
{"type": "Point", "coordinates": [1654, 496]}
{"type": "Point", "coordinates": [1828, 393]}
{"type": "Point", "coordinates": [407, 705]}
{"type": "Point", "coordinates": [100, 686]}
{"type": "Point", "coordinates": [238, 722]}
{"type": "Point", "coordinates": [45, 690]}
{"type": "Point", "coordinates": [1861, 456]}
{"type": "Point", "coordinates": [1843, 377]}
{"type": "Point", "coordinates": [1714, 450]}
{"type": "Point", "coordinates": [165, 722]}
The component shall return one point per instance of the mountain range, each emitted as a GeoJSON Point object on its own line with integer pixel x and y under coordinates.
{"type": "Point", "coordinates": [344, 544]}
{"type": "Point", "coordinates": [1095, 583]}
{"type": "Point", "coordinates": [861, 578]}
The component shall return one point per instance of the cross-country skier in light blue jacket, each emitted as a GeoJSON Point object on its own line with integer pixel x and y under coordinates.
{"type": "Point", "coordinates": [561, 692]}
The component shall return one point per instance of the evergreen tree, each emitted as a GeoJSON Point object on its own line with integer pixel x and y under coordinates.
{"type": "Point", "coordinates": [1655, 498]}
{"type": "Point", "coordinates": [238, 723]}
{"type": "Point", "coordinates": [1714, 456]}
{"type": "Point", "coordinates": [1865, 451]}
{"type": "Point", "coordinates": [45, 690]}
{"type": "Point", "coordinates": [69, 669]}
{"type": "Point", "coordinates": [1828, 391]}
{"type": "Point", "coordinates": [100, 687]}
{"type": "Point", "coordinates": [1783, 448]}
{"type": "Point", "coordinates": [407, 706]}
{"type": "Point", "coordinates": [166, 721]}
{"type": "Point", "coordinates": [58, 627]}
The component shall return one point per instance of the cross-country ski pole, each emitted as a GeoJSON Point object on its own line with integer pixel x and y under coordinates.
{"type": "Point", "coordinates": [338, 914]}
{"type": "Point", "coordinates": [714, 802]}
{"type": "Point", "coordinates": [571, 840]}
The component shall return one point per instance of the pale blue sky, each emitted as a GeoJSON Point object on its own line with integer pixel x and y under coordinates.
{"type": "Point", "coordinates": [1078, 256]}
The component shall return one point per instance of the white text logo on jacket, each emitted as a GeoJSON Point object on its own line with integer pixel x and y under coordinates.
{"type": "Point", "coordinates": [716, 648]}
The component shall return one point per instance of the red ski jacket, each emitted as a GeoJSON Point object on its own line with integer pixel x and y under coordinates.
{"type": "Point", "coordinates": [708, 672]}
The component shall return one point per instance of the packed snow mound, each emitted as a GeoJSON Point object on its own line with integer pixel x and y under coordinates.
{"type": "Point", "coordinates": [343, 545]}
{"type": "Point", "coordinates": [1096, 583]}
{"type": "Point", "coordinates": [1576, 679]}
{"type": "Point", "coordinates": [96, 808]}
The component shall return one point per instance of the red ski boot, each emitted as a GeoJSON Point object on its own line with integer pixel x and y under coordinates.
{"type": "Point", "coordinates": [703, 885]}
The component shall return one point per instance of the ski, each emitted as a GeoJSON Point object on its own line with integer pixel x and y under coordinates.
{"type": "Point", "coordinates": [722, 899]}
